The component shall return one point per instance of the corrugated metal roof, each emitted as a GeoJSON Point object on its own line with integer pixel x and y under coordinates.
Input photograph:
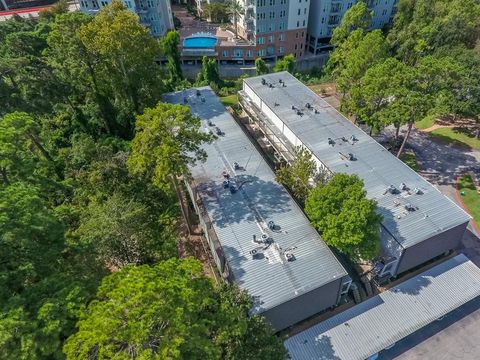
{"type": "Point", "coordinates": [374, 164]}
{"type": "Point", "coordinates": [381, 321]}
{"type": "Point", "coordinates": [260, 199]}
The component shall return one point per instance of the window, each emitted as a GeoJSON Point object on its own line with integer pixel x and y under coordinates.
{"type": "Point", "coordinates": [249, 53]}
{"type": "Point", "coordinates": [281, 37]}
{"type": "Point", "coordinates": [303, 33]}
{"type": "Point", "coordinates": [270, 51]}
{"type": "Point", "coordinates": [305, 11]}
{"type": "Point", "coordinates": [296, 35]}
{"type": "Point", "coordinates": [261, 40]}
{"type": "Point", "coordinates": [238, 53]}
{"type": "Point", "coordinates": [298, 23]}
{"type": "Point", "coordinates": [281, 50]}
{"type": "Point", "coordinates": [225, 53]}
{"type": "Point", "coordinates": [261, 52]}
{"type": "Point", "coordinates": [295, 46]}
{"type": "Point", "coordinates": [298, 12]}
{"type": "Point", "coordinates": [323, 20]}
{"type": "Point", "coordinates": [303, 22]}
{"type": "Point", "coordinates": [270, 39]}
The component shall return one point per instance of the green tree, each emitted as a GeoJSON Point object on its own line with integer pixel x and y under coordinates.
{"type": "Point", "coordinates": [124, 231]}
{"type": "Point", "coordinates": [421, 29]}
{"type": "Point", "coordinates": [261, 67]}
{"type": "Point", "coordinates": [209, 74]}
{"type": "Point", "coordinates": [126, 54]}
{"type": "Point", "coordinates": [20, 146]}
{"type": "Point", "coordinates": [217, 12]}
{"type": "Point", "coordinates": [346, 219]}
{"type": "Point", "coordinates": [169, 311]}
{"type": "Point", "coordinates": [359, 16]}
{"type": "Point", "coordinates": [167, 139]}
{"type": "Point", "coordinates": [285, 64]}
{"type": "Point", "coordinates": [235, 10]}
{"type": "Point", "coordinates": [350, 60]}
{"type": "Point", "coordinates": [170, 43]}
{"type": "Point", "coordinates": [301, 175]}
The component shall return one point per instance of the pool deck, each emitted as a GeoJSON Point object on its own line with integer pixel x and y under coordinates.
{"type": "Point", "coordinates": [191, 26]}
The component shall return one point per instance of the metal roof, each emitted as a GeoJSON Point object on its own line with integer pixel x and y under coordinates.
{"type": "Point", "coordinates": [379, 322]}
{"type": "Point", "coordinates": [260, 199]}
{"type": "Point", "coordinates": [434, 213]}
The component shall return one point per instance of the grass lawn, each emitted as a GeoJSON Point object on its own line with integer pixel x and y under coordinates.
{"type": "Point", "coordinates": [470, 196]}
{"type": "Point", "coordinates": [457, 137]}
{"type": "Point", "coordinates": [410, 160]}
{"type": "Point", "coordinates": [425, 123]}
{"type": "Point", "coordinates": [229, 100]}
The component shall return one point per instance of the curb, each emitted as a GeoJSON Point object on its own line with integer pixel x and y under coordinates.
{"type": "Point", "coordinates": [465, 207]}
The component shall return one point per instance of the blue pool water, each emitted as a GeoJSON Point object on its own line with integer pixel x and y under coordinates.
{"type": "Point", "coordinates": [199, 42]}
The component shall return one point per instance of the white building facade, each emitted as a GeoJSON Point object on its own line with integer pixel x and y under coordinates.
{"type": "Point", "coordinates": [156, 15]}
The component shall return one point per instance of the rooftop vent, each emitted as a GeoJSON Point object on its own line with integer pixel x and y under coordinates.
{"type": "Point", "coordinates": [198, 92]}
{"type": "Point", "coordinates": [256, 255]}
{"type": "Point", "coordinates": [271, 225]}
{"type": "Point", "coordinates": [210, 123]}
{"type": "Point", "coordinates": [344, 139]}
{"type": "Point", "coordinates": [353, 138]}
{"type": "Point", "coordinates": [299, 113]}
{"type": "Point", "coordinates": [236, 165]}
{"type": "Point", "coordinates": [351, 157]}
{"type": "Point", "coordinates": [283, 85]}
{"type": "Point", "coordinates": [392, 189]}
{"type": "Point", "coordinates": [331, 141]}
{"type": "Point", "coordinates": [317, 112]}
{"type": "Point", "coordinates": [410, 207]}
{"type": "Point", "coordinates": [270, 85]}
{"type": "Point", "coordinates": [308, 105]}
{"type": "Point", "coordinates": [203, 99]}
{"type": "Point", "coordinates": [233, 189]}
{"type": "Point", "coordinates": [255, 240]}
{"type": "Point", "coordinates": [403, 186]}
{"type": "Point", "coordinates": [276, 104]}
{"type": "Point", "coordinates": [266, 239]}
{"type": "Point", "coordinates": [289, 256]}
{"type": "Point", "coordinates": [264, 81]}
{"type": "Point", "coordinates": [417, 191]}
{"type": "Point", "coordinates": [280, 81]}
{"type": "Point", "coordinates": [293, 107]}
{"type": "Point", "coordinates": [218, 131]}
{"type": "Point", "coordinates": [225, 174]}
{"type": "Point", "coordinates": [226, 184]}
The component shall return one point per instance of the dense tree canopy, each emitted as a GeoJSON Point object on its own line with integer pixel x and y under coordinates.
{"type": "Point", "coordinates": [346, 219]}
{"type": "Point", "coordinates": [170, 311]}
{"type": "Point", "coordinates": [72, 212]}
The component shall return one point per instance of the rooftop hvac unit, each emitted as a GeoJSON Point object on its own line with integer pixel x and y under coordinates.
{"type": "Point", "coordinates": [198, 92]}
{"type": "Point", "coordinates": [226, 184]}
{"type": "Point", "coordinates": [403, 186]}
{"type": "Point", "coordinates": [418, 191]}
{"type": "Point", "coordinates": [236, 165]}
{"type": "Point", "coordinates": [308, 106]}
{"type": "Point", "coordinates": [317, 112]}
{"type": "Point", "coordinates": [392, 189]}
{"type": "Point", "coordinates": [351, 157]}
{"type": "Point", "coordinates": [271, 225]}
{"type": "Point", "coordinates": [353, 138]}
{"type": "Point", "coordinates": [331, 141]}
{"type": "Point", "coordinates": [410, 207]}
{"type": "Point", "coordinates": [264, 81]}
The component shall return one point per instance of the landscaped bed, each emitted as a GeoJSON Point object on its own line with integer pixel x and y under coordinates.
{"type": "Point", "coordinates": [229, 100]}
{"type": "Point", "coordinates": [470, 196]}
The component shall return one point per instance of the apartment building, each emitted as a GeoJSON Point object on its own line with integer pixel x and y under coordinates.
{"type": "Point", "coordinates": [156, 15]}
{"type": "Point", "coordinates": [257, 234]}
{"type": "Point", "coordinates": [325, 15]}
{"type": "Point", "coordinates": [419, 223]}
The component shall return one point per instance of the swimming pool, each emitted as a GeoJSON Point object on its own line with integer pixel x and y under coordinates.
{"type": "Point", "coordinates": [200, 41]}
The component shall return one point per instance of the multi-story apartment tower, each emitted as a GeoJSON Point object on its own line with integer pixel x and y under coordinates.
{"type": "Point", "coordinates": [276, 27]}
{"type": "Point", "coordinates": [154, 14]}
{"type": "Point", "coordinates": [325, 15]}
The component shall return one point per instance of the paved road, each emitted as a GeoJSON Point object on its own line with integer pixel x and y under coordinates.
{"type": "Point", "coordinates": [456, 336]}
